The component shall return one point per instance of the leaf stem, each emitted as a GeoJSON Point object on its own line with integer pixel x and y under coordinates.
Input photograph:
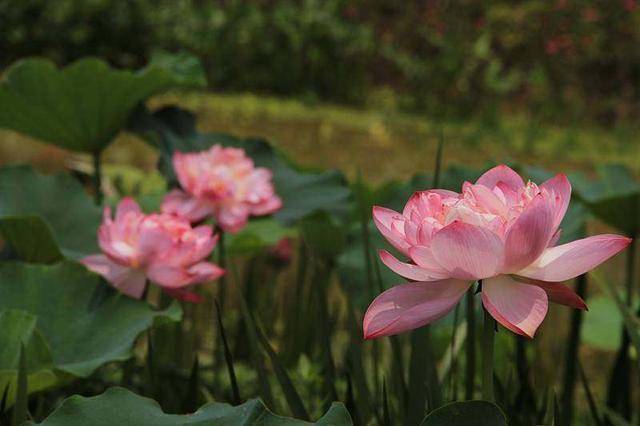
{"type": "Point", "coordinates": [488, 335]}
{"type": "Point", "coordinates": [470, 367]}
{"type": "Point", "coordinates": [97, 177]}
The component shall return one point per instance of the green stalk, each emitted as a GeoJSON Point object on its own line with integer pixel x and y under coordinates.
{"type": "Point", "coordinates": [619, 393]}
{"type": "Point", "coordinates": [488, 335]}
{"type": "Point", "coordinates": [97, 177]}
{"type": "Point", "coordinates": [570, 369]}
{"type": "Point", "coordinates": [470, 367]}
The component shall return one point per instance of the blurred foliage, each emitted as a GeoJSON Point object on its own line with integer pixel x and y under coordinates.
{"type": "Point", "coordinates": [561, 59]}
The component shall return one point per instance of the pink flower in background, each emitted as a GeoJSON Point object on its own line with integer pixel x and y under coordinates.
{"type": "Point", "coordinates": [498, 230]}
{"type": "Point", "coordinates": [222, 183]}
{"type": "Point", "coordinates": [162, 248]}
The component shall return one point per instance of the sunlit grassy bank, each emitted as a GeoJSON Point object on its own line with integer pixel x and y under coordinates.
{"type": "Point", "coordinates": [383, 145]}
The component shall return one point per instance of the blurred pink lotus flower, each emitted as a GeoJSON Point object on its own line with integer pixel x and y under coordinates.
{"type": "Point", "coordinates": [498, 230]}
{"type": "Point", "coordinates": [223, 183]}
{"type": "Point", "coordinates": [162, 248]}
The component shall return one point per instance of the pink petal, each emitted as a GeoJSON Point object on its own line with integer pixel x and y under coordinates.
{"type": "Point", "coordinates": [468, 252]}
{"type": "Point", "coordinates": [268, 206]}
{"type": "Point", "coordinates": [569, 260]}
{"type": "Point", "coordinates": [530, 234]}
{"type": "Point", "coordinates": [561, 294]}
{"type": "Point", "coordinates": [556, 236]}
{"type": "Point", "coordinates": [127, 205]}
{"type": "Point", "coordinates": [184, 295]}
{"type": "Point", "coordinates": [503, 174]}
{"type": "Point", "coordinates": [489, 200]}
{"type": "Point", "coordinates": [168, 275]}
{"type": "Point", "coordinates": [232, 218]}
{"type": "Point", "coordinates": [560, 189]}
{"type": "Point", "coordinates": [517, 306]}
{"type": "Point", "coordinates": [407, 270]}
{"type": "Point", "coordinates": [181, 204]}
{"type": "Point", "coordinates": [384, 218]}
{"type": "Point", "coordinates": [129, 281]}
{"type": "Point", "coordinates": [205, 271]}
{"type": "Point", "coordinates": [408, 306]}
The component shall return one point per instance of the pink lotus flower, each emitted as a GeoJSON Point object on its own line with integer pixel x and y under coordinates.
{"type": "Point", "coordinates": [223, 183]}
{"type": "Point", "coordinates": [498, 230]}
{"type": "Point", "coordinates": [162, 248]}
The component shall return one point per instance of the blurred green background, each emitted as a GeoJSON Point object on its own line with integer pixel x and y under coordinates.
{"type": "Point", "coordinates": [353, 83]}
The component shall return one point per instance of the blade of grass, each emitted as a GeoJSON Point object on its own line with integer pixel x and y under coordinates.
{"type": "Point", "coordinates": [235, 392]}
{"type": "Point", "coordinates": [320, 284]}
{"type": "Point", "coordinates": [291, 395]}
{"type": "Point", "coordinates": [386, 413]}
{"type": "Point", "coordinates": [254, 347]}
{"type": "Point", "coordinates": [573, 346]}
{"type": "Point", "coordinates": [288, 389]}
{"type": "Point", "coordinates": [619, 391]}
{"type": "Point", "coordinates": [20, 408]}
{"type": "Point", "coordinates": [355, 366]}
{"type": "Point", "coordinates": [593, 409]}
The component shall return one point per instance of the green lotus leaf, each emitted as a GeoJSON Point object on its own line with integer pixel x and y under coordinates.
{"type": "Point", "coordinates": [81, 107]}
{"type": "Point", "coordinates": [18, 328]}
{"type": "Point", "coordinates": [69, 318]}
{"type": "Point", "coordinates": [122, 407]}
{"type": "Point", "coordinates": [614, 197]}
{"type": "Point", "coordinates": [45, 218]}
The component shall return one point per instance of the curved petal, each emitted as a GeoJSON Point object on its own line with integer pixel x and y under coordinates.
{"type": "Point", "coordinates": [529, 235]}
{"type": "Point", "coordinates": [468, 252]}
{"type": "Point", "coordinates": [384, 219]}
{"type": "Point", "coordinates": [561, 294]}
{"type": "Point", "coordinates": [501, 173]}
{"type": "Point", "coordinates": [268, 206]}
{"type": "Point", "coordinates": [560, 189]}
{"type": "Point", "coordinates": [489, 200]}
{"type": "Point", "coordinates": [184, 295]}
{"type": "Point", "coordinates": [566, 261]}
{"type": "Point", "coordinates": [181, 204]}
{"type": "Point", "coordinates": [205, 271]}
{"type": "Point", "coordinates": [233, 218]}
{"type": "Point", "coordinates": [517, 306]}
{"type": "Point", "coordinates": [168, 276]}
{"type": "Point", "coordinates": [129, 281]}
{"type": "Point", "coordinates": [407, 270]}
{"type": "Point", "coordinates": [126, 205]}
{"type": "Point", "coordinates": [408, 306]}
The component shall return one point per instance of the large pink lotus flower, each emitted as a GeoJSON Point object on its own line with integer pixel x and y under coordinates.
{"type": "Point", "coordinates": [223, 183]}
{"type": "Point", "coordinates": [498, 230]}
{"type": "Point", "coordinates": [162, 248]}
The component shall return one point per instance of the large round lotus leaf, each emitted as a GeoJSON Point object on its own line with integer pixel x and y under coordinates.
{"type": "Point", "coordinates": [302, 191]}
{"type": "Point", "coordinates": [18, 328]}
{"type": "Point", "coordinates": [477, 413]}
{"type": "Point", "coordinates": [46, 217]}
{"type": "Point", "coordinates": [80, 107]}
{"type": "Point", "coordinates": [614, 197]}
{"type": "Point", "coordinates": [83, 324]}
{"type": "Point", "coordinates": [118, 406]}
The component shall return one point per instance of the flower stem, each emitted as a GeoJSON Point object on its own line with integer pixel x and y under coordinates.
{"type": "Point", "coordinates": [470, 367]}
{"type": "Point", "coordinates": [488, 334]}
{"type": "Point", "coordinates": [97, 178]}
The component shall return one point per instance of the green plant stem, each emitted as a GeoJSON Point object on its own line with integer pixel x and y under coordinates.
{"type": "Point", "coordinates": [97, 177]}
{"type": "Point", "coordinates": [222, 262]}
{"type": "Point", "coordinates": [488, 335]}
{"type": "Point", "coordinates": [570, 369]}
{"type": "Point", "coordinates": [470, 367]}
